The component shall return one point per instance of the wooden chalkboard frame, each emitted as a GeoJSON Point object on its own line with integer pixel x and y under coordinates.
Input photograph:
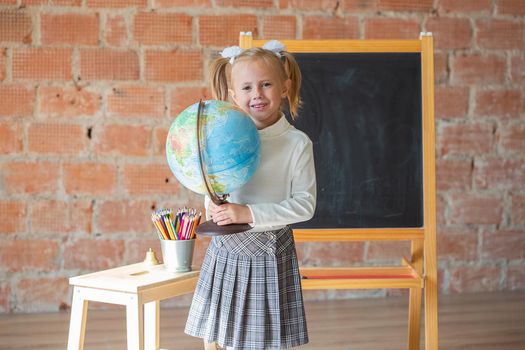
{"type": "Point", "coordinates": [419, 271]}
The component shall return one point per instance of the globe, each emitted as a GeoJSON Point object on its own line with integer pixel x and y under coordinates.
{"type": "Point", "coordinates": [230, 147]}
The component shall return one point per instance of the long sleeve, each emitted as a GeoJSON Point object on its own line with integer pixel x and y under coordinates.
{"type": "Point", "coordinates": [300, 205]}
{"type": "Point", "coordinates": [283, 189]}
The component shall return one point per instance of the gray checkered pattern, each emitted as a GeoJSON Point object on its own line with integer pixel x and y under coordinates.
{"type": "Point", "coordinates": [249, 293]}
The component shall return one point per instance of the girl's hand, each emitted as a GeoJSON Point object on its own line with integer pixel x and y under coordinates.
{"type": "Point", "coordinates": [230, 213]}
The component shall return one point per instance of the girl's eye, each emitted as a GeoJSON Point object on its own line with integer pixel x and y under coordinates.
{"type": "Point", "coordinates": [246, 88]}
{"type": "Point", "coordinates": [267, 84]}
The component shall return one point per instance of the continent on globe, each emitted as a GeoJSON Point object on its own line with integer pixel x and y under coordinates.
{"type": "Point", "coordinates": [230, 147]}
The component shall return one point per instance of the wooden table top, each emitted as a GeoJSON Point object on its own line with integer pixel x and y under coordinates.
{"type": "Point", "coordinates": [132, 278]}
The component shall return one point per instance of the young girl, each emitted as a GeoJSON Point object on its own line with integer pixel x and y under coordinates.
{"type": "Point", "coordinates": [249, 291]}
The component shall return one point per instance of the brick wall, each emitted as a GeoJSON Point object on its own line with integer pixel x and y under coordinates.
{"type": "Point", "coordinates": [88, 89]}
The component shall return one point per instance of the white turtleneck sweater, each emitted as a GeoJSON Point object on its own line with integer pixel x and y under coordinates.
{"type": "Point", "coordinates": [283, 189]}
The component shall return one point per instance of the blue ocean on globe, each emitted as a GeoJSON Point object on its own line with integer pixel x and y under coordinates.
{"type": "Point", "coordinates": [230, 143]}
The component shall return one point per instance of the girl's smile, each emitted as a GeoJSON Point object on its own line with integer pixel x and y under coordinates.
{"type": "Point", "coordinates": [258, 91]}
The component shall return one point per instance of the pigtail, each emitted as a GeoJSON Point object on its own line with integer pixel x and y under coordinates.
{"type": "Point", "coordinates": [218, 78]}
{"type": "Point", "coordinates": [294, 74]}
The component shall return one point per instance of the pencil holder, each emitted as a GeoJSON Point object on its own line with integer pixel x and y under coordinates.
{"type": "Point", "coordinates": [177, 254]}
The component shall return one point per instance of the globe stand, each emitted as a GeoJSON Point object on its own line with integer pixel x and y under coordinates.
{"type": "Point", "coordinates": [210, 228]}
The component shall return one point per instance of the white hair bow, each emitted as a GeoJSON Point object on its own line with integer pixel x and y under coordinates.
{"type": "Point", "coordinates": [232, 52]}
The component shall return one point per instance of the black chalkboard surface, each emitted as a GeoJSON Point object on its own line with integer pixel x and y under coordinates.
{"type": "Point", "coordinates": [363, 113]}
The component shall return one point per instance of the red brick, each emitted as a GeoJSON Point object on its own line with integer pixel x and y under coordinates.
{"type": "Point", "coordinates": [42, 63]}
{"type": "Point", "coordinates": [182, 3]}
{"type": "Point", "coordinates": [450, 33]}
{"type": "Point", "coordinates": [150, 179]}
{"type": "Point", "coordinates": [151, 28]}
{"type": "Point", "coordinates": [31, 177]}
{"type": "Point", "coordinates": [43, 294]}
{"type": "Point", "coordinates": [515, 277]}
{"type": "Point", "coordinates": [173, 66]}
{"type": "Point", "coordinates": [224, 30]}
{"type": "Point", "coordinates": [129, 140]}
{"type": "Point", "coordinates": [499, 173]}
{"type": "Point", "coordinates": [455, 6]}
{"type": "Point", "coordinates": [440, 210]}
{"type": "Point", "coordinates": [330, 28]}
{"type": "Point", "coordinates": [93, 254]}
{"type": "Point", "coordinates": [500, 34]}
{"type": "Point", "coordinates": [457, 244]}
{"type": "Point", "coordinates": [334, 254]}
{"type": "Point", "coordinates": [17, 101]}
{"type": "Point", "coordinates": [56, 138]}
{"type": "Point", "coordinates": [510, 7]}
{"type": "Point", "coordinates": [517, 215]}
{"type": "Point", "coordinates": [406, 5]}
{"type": "Point", "coordinates": [11, 138]}
{"type": "Point", "coordinates": [245, 3]}
{"type": "Point", "coordinates": [136, 101]}
{"type": "Point", "coordinates": [5, 296]}
{"type": "Point", "coordinates": [53, 2]}
{"type": "Point", "coordinates": [358, 5]}
{"type": "Point", "coordinates": [499, 103]}
{"type": "Point", "coordinates": [3, 63]}
{"type": "Point", "coordinates": [124, 217]}
{"type": "Point", "coordinates": [310, 5]}
{"type": "Point", "coordinates": [69, 28]}
{"type": "Point", "coordinates": [474, 279]}
{"type": "Point", "coordinates": [441, 70]}
{"type": "Point", "coordinates": [477, 70]}
{"type": "Point", "coordinates": [58, 217]}
{"type": "Point", "coordinates": [454, 174]}
{"type": "Point", "coordinates": [184, 96]}
{"type": "Point", "coordinates": [90, 178]}
{"type": "Point", "coordinates": [29, 255]}
{"type": "Point", "coordinates": [68, 102]}
{"type": "Point", "coordinates": [159, 141]}
{"type": "Point", "coordinates": [279, 27]}
{"type": "Point", "coordinates": [468, 139]}
{"type": "Point", "coordinates": [388, 251]}
{"type": "Point", "coordinates": [451, 102]}
{"type": "Point", "coordinates": [517, 70]}
{"type": "Point", "coordinates": [16, 26]}
{"type": "Point", "coordinates": [512, 139]}
{"type": "Point", "coordinates": [116, 33]}
{"type": "Point", "coordinates": [12, 217]}
{"type": "Point", "coordinates": [108, 64]}
{"type": "Point", "coordinates": [117, 3]}
{"type": "Point", "coordinates": [391, 28]}
{"type": "Point", "coordinates": [507, 245]}
{"type": "Point", "coordinates": [475, 209]}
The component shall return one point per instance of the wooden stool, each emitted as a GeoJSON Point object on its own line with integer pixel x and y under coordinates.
{"type": "Point", "coordinates": [140, 287]}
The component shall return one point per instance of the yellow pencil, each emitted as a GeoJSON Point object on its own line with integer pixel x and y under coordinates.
{"type": "Point", "coordinates": [197, 221]}
{"type": "Point", "coordinates": [160, 229]}
{"type": "Point", "coordinates": [168, 225]}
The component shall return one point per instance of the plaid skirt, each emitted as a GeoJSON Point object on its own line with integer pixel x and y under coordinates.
{"type": "Point", "coordinates": [249, 293]}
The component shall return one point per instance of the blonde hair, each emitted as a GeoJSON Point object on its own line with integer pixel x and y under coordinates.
{"type": "Point", "coordinates": [286, 66]}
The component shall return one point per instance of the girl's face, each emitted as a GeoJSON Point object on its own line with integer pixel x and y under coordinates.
{"type": "Point", "coordinates": [258, 91]}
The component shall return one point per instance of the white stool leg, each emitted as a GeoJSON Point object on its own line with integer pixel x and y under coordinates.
{"type": "Point", "coordinates": [135, 324]}
{"type": "Point", "coordinates": [77, 324]}
{"type": "Point", "coordinates": [151, 325]}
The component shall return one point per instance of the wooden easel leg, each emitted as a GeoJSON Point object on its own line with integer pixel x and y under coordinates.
{"type": "Point", "coordinates": [77, 323]}
{"type": "Point", "coordinates": [414, 302]}
{"type": "Point", "coordinates": [414, 318]}
{"type": "Point", "coordinates": [431, 314]}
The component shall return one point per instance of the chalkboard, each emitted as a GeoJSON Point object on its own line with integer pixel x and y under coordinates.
{"type": "Point", "coordinates": [363, 112]}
